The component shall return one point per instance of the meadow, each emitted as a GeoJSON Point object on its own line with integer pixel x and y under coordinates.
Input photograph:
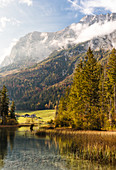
{"type": "Point", "coordinates": [42, 116]}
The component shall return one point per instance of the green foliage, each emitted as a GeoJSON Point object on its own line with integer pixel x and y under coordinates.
{"type": "Point", "coordinates": [32, 88]}
{"type": "Point", "coordinates": [4, 102]}
{"type": "Point", "coordinates": [4, 107]}
{"type": "Point", "coordinates": [86, 106]}
{"type": "Point", "coordinates": [112, 67]}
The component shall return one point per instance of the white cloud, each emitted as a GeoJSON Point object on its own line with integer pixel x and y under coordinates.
{"type": "Point", "coordinates": [6, 51]}
{"type": "Point", "coordinates": [89, 6]}
{"type": "Point", "coordinates": [4, 3]}
{"type": "Point", "coordinates": [4, 21]}
{"type": "Point", "coordinates": [96, 30]}
{"type": "Point", "coordinates": [84, 32]}
{"type": "Point", "coordinates": [28, 2]}
{"type": "Point", "coordinates": [74, 4]}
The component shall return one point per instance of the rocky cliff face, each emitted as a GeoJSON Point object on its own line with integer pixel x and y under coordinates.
{"type": "Point", "coordinates": [98, 31]}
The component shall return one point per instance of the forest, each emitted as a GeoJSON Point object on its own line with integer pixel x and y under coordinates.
{"type": "Point", "coordinates": [90, 102]}
{"type": "Point", "coordinates": [41, 86]}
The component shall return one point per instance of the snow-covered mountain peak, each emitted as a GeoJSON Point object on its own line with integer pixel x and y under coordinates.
{"type": "Point", "coordinates": [91, 19]}
{"type": "Point", "coordinates": [98, 31]}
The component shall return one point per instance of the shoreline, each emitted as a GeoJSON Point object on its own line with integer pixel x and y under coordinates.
{"type": "Point", "coordinates": [18, 125]}
{"type": "Point", "coordinates": [68, 131]}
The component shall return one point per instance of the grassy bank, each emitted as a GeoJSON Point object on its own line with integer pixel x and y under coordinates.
{"type": "Point", "coordinates": [96, 146]}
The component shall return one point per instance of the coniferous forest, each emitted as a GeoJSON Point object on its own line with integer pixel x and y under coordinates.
{"type": "Point", "coordinates": [41, 86]}
{"type": "Point", "coordinates": [90, 102]}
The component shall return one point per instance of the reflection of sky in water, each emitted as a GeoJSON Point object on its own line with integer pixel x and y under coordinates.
{"type": "Point", "coordinates": [24, 151]}
{"type": "Point", "coordinates": [30, 152]}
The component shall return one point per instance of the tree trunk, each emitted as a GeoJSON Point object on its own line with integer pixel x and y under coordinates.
{"type": "Point", "coordinates": [4, 121]}
{"type": "Point", "coordinates": [110, 114]}
{"type": "Point", "coordinates": [114, 99]}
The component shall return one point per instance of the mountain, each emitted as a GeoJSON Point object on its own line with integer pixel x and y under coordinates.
{"type": "Point", "coordinates": [96, 31]}
{"type": "Point", "coordinates": [51, 59]}
{"type": "Point", "coordinates": [43, 84]}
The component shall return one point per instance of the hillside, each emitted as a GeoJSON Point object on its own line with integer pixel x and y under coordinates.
{"type": "Point", "coordinates": [44, 83]}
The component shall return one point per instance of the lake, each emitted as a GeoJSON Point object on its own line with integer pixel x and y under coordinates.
{"type": "Point", "coordinates": [20, 149]}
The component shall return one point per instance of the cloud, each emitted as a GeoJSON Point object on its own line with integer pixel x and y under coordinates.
{"type": "Point", "coordinates": [4, 3]}
{"type": "Point", "coordinates": [90, 6]}
{"type": "Point", "coordinates": [28, 2]}
{"type": "Point", "coordinates": [84, 32]}
{"type": "Point", "coordinates": [95, 30]}
{"type": "Point", "coordinates": [6, 51]}
{"type": "Point", "coordinates": [4, 21]}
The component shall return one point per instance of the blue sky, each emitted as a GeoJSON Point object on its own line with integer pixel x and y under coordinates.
{"type": "Point", "coordinates": [19, 17]}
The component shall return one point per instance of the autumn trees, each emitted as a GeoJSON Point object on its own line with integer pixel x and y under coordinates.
{"type": "Point", "coordinates": [91, 101]}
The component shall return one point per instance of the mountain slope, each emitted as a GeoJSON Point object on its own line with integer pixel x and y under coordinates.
{"type": "Point", "coordinates": [96, 31]}
{"type": "Point", "coordinates": [34, 87]}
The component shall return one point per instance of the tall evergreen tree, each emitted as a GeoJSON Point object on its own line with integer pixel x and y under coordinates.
{"type": "Point", "coordinates": [91, 101]}
{"type": "Point", "coordinates": [4, 104]}
{"type": "Point", "coordinates": [88, 92]}
{"type": "Point", "coordinates": [76, 106]}
{"type": "Point", "coordinates": [103, 97]}
{"type": "Point", "coordinates": [83, 99]}
{"type": "Point", "coordinates": [111, 85]}
{"type": "Point", "coordinates": [63, 118]}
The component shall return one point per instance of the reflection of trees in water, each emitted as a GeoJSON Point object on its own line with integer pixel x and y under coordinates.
{"type": "Point", "coordinates": [3, 142]}
{"type": "Point", "coordinates": [93, 147]}
{"type": "Point", "coordinates": [11, 138]}
{"type": "Point", "coordinates": [6, 136]}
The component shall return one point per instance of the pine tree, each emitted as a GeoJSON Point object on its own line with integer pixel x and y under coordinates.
{"type": "Point", "coordinates": [92, 72]}
{"type": "Point", "coordinates": [84, 96]}
{"type": "Point", "coordinates": [111, 85]}
{"type": "Point", "coordinates": [92, 77]}
{"type": "Point", "coordinates": [63, 118]}
{"type": "Point", "coordinates": [83, 99]}
{"type": "Point", "coordinates": [103, 102]}
{"type": "Point", "coordinates": [76, 106]}
{"type": "Point", "coordinates": [91, 100]}
{"type": "Point", "coordinates": [4, 104]}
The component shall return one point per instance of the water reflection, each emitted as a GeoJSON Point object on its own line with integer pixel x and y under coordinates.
{"type": "Point", "coordinates": [21, 149]}
{"type": "Point", "coordinates": [6, 137]}
{"type": "Point", "coordinates": [91, 151]}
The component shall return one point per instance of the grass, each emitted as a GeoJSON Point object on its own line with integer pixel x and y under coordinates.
{"type": "Point", "coordinates": [45, 115]}
{"type": "Point", "coordinates": [95, 146]}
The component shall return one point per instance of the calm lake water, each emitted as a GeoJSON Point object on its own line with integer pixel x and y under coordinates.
{"type": "Point", "coordinates": [22, 150]}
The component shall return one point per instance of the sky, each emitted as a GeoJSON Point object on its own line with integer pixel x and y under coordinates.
{"type": "Point", "coordinates": [20, 17]}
